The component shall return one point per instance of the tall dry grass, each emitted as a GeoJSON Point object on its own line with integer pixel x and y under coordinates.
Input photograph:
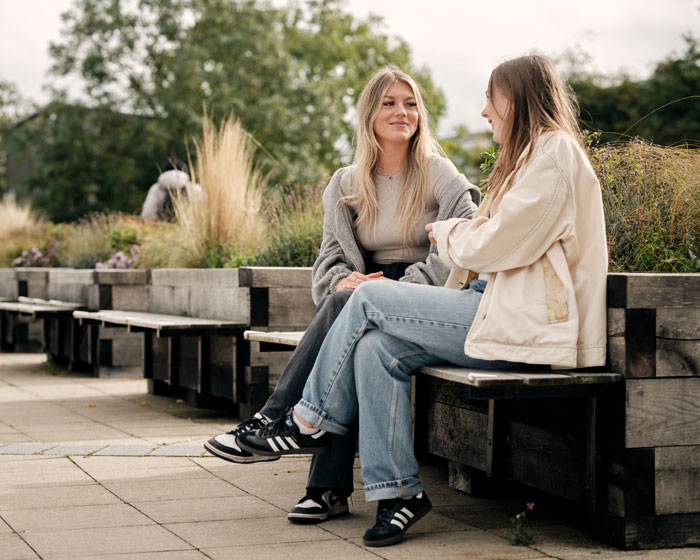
{"type": "Point", "coordinates": [651, 196]}
{"type": "Point", "coordinates": [20, 228]}
{"type": "Point", "coordinates": [16, 218]}
{"type": "Point", "coordinates": [229, 211]}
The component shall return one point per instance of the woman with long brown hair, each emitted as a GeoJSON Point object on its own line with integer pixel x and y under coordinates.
{"type": "Point", "coordinates": [537, 296]}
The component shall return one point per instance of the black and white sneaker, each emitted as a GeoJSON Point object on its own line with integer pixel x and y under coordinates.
{"type": "Point", "coordinates": [226, 445]}
{"type": "Point", "coordinates": [282, 437]}
{"type": "Point", "coordinates": [394, 517]}
{"type": "Point", "coordinates": [319, 507]}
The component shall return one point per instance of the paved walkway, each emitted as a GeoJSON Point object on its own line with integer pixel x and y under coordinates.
{"type": "Point", "coordinates": [97, 468]}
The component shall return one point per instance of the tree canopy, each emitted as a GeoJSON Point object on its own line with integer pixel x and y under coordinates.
{"type": "Point", "coordinates": [664, 109]}
{"type": "Point", "coordinates": [291, 74]}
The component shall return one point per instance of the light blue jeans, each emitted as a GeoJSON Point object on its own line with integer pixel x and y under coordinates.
{"type": "Point", "coordinates": [385, 332]}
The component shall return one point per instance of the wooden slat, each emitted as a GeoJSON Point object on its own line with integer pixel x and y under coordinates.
{"type": "Point", "coordinates": [34, 310]}
{"type": "Point", "coordinates": [289, 338]}
{"type": "Point", "coordinates": [476, 378]}
{"type": "Point", "coordinates": [50, 302]}
{"type": "Point", "coordinates": [152, 320]}
{"type": "Point", "coordinates": [588, 378]}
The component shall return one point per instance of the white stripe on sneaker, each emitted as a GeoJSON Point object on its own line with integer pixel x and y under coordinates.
{"type": "Point", "coordinates": [318, 434]}
{"type": "Point", "coordinates": [272, 445]}
{"type": "Point", "coordinates": [307, 504]}
{"type": "Point", "coordinates": [279, 440]}
{"type": "Point", "coordinates": [291, 442]}
{"type": "Point", "coordinates": [407, 511]}
{"type": "Point", "coordinates": [401, 517]}
{"type": "Point", "coordinates": [397, 523]}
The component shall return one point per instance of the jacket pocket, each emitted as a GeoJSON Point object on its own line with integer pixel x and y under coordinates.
{"type": "Point", "coordinates": [555, 293]}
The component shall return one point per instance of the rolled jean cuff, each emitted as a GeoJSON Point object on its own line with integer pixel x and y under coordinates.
{"type": "Point", "coordinates": [318, 418]}
{"type": "Point", "coordinates": [404, 488]}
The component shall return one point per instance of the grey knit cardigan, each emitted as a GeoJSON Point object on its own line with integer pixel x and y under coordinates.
{"type": "Point", "coordinates": [340, 253]}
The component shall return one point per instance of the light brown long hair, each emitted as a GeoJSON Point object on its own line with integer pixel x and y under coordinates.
{"type": "Point", "coordinates": [538, 101]}
{"type": "Point", "coordinates": [414, 176]}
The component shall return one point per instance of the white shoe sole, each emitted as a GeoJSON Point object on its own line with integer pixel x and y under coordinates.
{"type": "Point", "coordinates": [237, 458]}
{"type": "Point", "coordinates": [304, 518]}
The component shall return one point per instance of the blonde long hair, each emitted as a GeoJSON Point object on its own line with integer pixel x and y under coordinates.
{"type": "Point", "coordinates": [422, 146]}
{"type": "Point", "coordinates": [539, 101]}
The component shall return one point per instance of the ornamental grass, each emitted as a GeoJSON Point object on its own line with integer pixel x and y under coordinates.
{"type": "Point", "coordinates": [651, 197]}
{"type": "Point", "coordinates": [228, 214]}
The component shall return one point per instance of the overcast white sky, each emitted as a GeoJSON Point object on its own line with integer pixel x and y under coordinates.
{"type": "Point", "coordinates": [460, 41]}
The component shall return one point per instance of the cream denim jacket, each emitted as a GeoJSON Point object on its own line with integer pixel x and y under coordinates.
{"type": "Point", "coordinates": [545, 250]}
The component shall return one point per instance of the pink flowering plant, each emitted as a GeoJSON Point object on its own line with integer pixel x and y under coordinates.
{"type": "Point", "coordinates": [38, 257]}
{"type": "Point", "coordinates": [120, 259]}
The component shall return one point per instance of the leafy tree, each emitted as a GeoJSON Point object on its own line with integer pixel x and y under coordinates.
{"type": "Point", "coordinates": [664, 109]}
{"type": "Point", "coordinates": [12, 105]}
{"type": "Point", "coordinates": [466, 150]}
{"type": "Point", "coordinates": [72, 160]}
{"type": "Point", "coordinates": [291, 74]}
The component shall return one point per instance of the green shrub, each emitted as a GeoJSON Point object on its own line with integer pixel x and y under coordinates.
{"type": "Point", "coordinates": [295, 237]}
{"type": "Point", "coordinates": [651, 198]}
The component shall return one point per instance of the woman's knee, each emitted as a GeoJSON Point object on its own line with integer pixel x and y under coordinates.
{"type": "Point", "coordinates": [334, 302]}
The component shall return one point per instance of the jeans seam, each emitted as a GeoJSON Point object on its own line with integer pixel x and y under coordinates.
{"type": "Point", "coordinates": [392, 428]}
{"type": "Point", "coordinates": [374, 314]}
{"type": "Point", "coordinates": [341, 361]}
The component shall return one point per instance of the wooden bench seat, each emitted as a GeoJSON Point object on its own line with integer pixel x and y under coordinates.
{"type": "Point", "coordinates": [18, 315]}
{"type": "Point", "coordinates": [162, 325]}
{"type": "Point", "coordinates": [204, 358]}
{"type": "Point", "coordinates": [497, 387]}
{"type": "Point", "coordinates": [39, 308]}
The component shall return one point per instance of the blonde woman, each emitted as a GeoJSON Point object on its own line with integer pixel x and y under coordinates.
{"type": "Point", "coordinates": [375, 213]}
{"type": "Point", "coordinates": [538, 246]}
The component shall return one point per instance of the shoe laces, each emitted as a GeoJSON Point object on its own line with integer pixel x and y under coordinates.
{"type": "Point", "coordinates": [252, 423]}
{"type": "Point", "coordinates": [386, 510]}
{"type": "Point", "coordinates": [282, 425]}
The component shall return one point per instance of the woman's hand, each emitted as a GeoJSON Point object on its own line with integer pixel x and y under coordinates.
{"type": "Point", "coordinates": [355, 279]}
{"type": "Point", "coordinates": [431, 237]}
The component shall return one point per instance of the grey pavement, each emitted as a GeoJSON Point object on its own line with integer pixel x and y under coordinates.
{"type": "Point", "coordinates": [98, 468]}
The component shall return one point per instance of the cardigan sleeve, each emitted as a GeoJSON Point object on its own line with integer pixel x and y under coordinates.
{"type": "Point", "coordinates": [332, 263]}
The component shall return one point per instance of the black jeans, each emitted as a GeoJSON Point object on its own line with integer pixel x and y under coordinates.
{"type": "Point", "coordinates": [332, 469]}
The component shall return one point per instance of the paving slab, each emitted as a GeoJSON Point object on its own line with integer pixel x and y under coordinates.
{"type": "Point", "coordinates": [330, 549]}
{"type": "Point", "coordinates": [42, 497]}
{"type": "Point", "coordinates": [175, 555]}
{"type": "Point", "coordinates": [76, 517]}
{"type": "Point", "coordinates": [241, 532]}
{"type": "Point", "coordinates": [112, 540]}
{"type": "Point", "coordinates": [171, 489]}
{"type": "Point", "coordinates": [98, 468]}
{"type": "Point", "coordinates": [206, 509]}
{"type": "Point", "coordinates": [190, 450]}
{"type": "Point", "coordinates": [14, 548]}
{"type": "Point", "coordinates": [137, 450]}
{"type": "Point", "coordinates": [465, 544]}
{"type": "Point", "coordinates": [25, 448]}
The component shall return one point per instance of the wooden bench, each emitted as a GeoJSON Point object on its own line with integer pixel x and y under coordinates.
{"type": "Point", "coordinates": [164, 335]}
{"type": "Point", "coordinates": [498, 387]}
{"type": "Point", "coordinates": [57, 342]}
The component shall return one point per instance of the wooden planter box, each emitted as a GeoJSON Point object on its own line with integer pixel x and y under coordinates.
{"type": "Point", "coordinates": [650, 437]}
{"type": "Point", "coordinates": [654, 446]}
{"type": "Point", "coordinates": [22, 334]}
{"type": "Point", "coordinates": [64, 340]}
{"type": "Point", "coordinates": [113, 351]}
{"type": "Point", "coordinates": [224, 367]}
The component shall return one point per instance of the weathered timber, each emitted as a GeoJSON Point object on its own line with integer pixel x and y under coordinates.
{"type": "Point", "coordinates": [663, 412]}
{"type": "Point", "coordinates": [677, 483]}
